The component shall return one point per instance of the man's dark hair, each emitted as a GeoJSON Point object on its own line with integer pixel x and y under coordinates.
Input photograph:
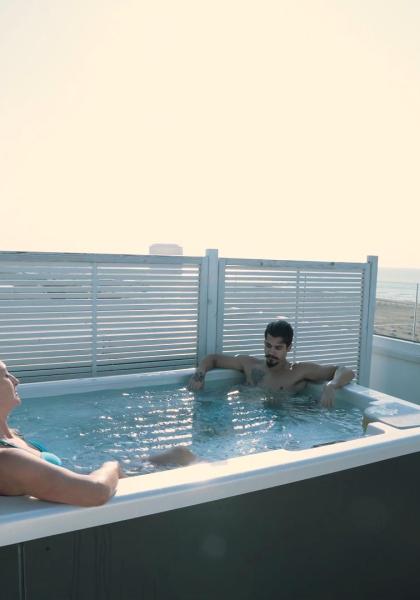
{"type": "Point", "coordinates": [281, 329]}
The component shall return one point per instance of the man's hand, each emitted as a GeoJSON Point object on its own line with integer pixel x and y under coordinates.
{"type": "Point", "coordinates": [328, 395]}
{"type": "Point", "coordinates": [197, 381]}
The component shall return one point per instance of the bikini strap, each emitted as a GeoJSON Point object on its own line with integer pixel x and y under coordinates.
{"type": "Point", "coordinates": [6, 444]}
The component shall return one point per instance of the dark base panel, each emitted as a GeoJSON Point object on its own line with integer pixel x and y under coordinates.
{"type": "Point", "coordinates": [351, 535]}
{"type": "Point", "coordinates": [10, 572]}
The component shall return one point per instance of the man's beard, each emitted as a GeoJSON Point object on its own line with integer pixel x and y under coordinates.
{"type": "Point", "coordinates": [271, 361]}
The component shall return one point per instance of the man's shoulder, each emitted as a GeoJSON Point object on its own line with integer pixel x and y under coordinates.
{"type": "Point", "coordinates": [250, 361]}
{"type": "Point", "coordinates": [303, 367]}
{"type": "Point", "coordinates": [304, 363]}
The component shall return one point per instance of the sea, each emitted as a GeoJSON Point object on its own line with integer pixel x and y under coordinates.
{"type": "Point", "coordinates": [398, 284]}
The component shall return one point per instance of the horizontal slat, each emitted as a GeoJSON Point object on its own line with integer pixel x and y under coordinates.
{"type": "Point", "coordinates": [146, 276]}
{"type": "Point", "coordinates": [324, 342]}
{"type": "Point", "coordinates": [42, 296]}
{"type": "Point", "coordinates": [147, 315]}
{"type": "Point", "coordinates": [326, 354]}
{"type": "Point", "coordinates": [105, 339]}
{"type": "Point", "coordinates": [145, 306]}
{"type": "Point", "coordinates": [141, 324]}
{"type": "Point", "coordinates": [54, 343]}
{"type": "Point", "coordinates": [146, 348]}
{"type": "Point", "coordinates": [138, 318]}
{"type": "Point", "coordinates": [175, 326]}
{"type": "Point", "coordinates": [52, 364]}
{"type": "Point", "coordinates": [318, 266]}
{"type": "Point", "coordinates": [28, 280]}
{"type": "Point", "coordinates": [47, 271]}
{"type": "Point", "coordinates": [245, 330]}
{"type": "Point", "coordinates": [45, 288]}
{"type": "Point", "coordinates": [46, 303]}
{"type": "Point", "coordinates": [145, 365]}
{"type": "Point", "coordinates": [47, 354]}
{"type": "Point", "coordinates": [72, 352]}
{"type": "Point", "coordinates": [38, 362]}
{"type": "Point", "coordinates": [153, 295]}
{"type": "Point", "coordinates": [308, 320]}
{"type": "Point", "coordinates": [120, 358]}
{"type": "Point", "coordinates": [151, 270]}
{"type": "Point", "coordinates": [45, 325]}
{"type": "Point", "coordinates": [152, 341]}
{"type": "Point", "coordinates": [20, 259]}
{"type": "Point", "coordinates": [332, 346]}
{"type": "Point", "coordinates": [64, 337]}
{"type": "Point", "coordinates": [309, 288]}
{"type": "Point", "coordinates": [56, 312]}
{"type": "Point", "coordinates": [124, 290]}
{"type": "Point", "coordinates": [25, 332]}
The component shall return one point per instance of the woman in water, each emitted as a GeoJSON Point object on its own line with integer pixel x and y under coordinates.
{"type": "Point", "coordinates": [27, 468]}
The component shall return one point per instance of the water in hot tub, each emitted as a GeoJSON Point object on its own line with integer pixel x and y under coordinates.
{"type": "Point", "coordinates": [86, 429]}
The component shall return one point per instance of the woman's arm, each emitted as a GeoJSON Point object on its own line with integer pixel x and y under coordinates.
{"type": "Point", "coordinates": [22, 473]}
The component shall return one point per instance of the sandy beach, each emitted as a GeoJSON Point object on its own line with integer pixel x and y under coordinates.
{"type": "Point", "coordinates": [395, 319]}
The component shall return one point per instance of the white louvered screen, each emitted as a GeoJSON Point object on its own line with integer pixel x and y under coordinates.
{"type": "Point", "coordinates": [81, 315]}
{"type": "Point", "coordinates": [77, 315]}
{"type": "Point", "coordinates": [324, 302]}
{"type": "Point", "coordinates": [46, 318]}
{"type": "Point", "coordinates": [146, 316]}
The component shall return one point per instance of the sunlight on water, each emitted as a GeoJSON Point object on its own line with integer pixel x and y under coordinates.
{"type": "Point", "coordinates": [219, 423]}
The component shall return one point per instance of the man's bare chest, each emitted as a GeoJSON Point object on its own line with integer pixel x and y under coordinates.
{"type": "Point", "coordinates": [288, 380]}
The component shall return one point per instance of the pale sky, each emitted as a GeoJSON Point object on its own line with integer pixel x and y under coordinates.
{"type": "Point", "coordinates": [264, 128]}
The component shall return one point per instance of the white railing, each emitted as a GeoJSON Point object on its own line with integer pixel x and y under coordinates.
{"type": "Point", "coordinates": [397, 310]}
{"type": "Point", "coordinates": [77, 315]}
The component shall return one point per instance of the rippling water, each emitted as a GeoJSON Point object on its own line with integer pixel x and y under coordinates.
{"type": "Point", "coordinates": [86, 429]}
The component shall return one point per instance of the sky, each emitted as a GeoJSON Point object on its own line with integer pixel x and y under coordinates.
{"type": "Point", "coordinates": [265, 128]}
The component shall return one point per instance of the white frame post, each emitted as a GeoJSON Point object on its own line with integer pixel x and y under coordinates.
{"type": "Point", "coordinates": [368, 316]}
{"type": "Point", "coordinates": [208, 304]}
{"type": "Point", "coordinates": [213, 284]}
{"type": "Point", "coordinates": [94, 316]}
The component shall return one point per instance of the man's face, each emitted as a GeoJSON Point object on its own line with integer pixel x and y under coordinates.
{"type": "Point", "coordinates": [275, 350]}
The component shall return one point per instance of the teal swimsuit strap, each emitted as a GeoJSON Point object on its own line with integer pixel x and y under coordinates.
{"type": "Point", "coordinates": [5, 444]}
{"type": "Point", "coordinates": [37, 445]}
{"type": "Point", "coordinates": [48, 456]}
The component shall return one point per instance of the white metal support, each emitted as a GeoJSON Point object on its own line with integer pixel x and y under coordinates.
{"type": "Point", "coordinates": [368, 315]}
{"type": "Point", "coordinates": [94, 292]}
{"type": "Point", "coordinates": [220, 305]}
{"type": "Point", "coordinates": [202, 309]}
{"type": "Point", "coordinates": [212, 304]}
{"type": "Point", "coordinates": [296, 327]}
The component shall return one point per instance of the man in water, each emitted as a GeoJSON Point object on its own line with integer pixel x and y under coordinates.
{"type": "Point", "coordinates": [276, 373]}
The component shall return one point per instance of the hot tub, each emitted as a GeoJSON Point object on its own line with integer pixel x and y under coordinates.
{"type": "Point", "coordinates": [337, 521]}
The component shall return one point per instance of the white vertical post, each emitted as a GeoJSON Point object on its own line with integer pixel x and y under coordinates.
{"type": "Point", "coordinates": [94, 291]}
{"type": "Point", "coordinates": [202, 309]}
{"type": "Point", "coordinates": [367, 323]}
{"type": "Point", "coordinates": [296, 323]}
{"type": "Point", "coordinates": [212, 295]}
{"type": "Point", "coordinates": [415, 313]}
{"type": "Point", "coordinates": [220, 305]}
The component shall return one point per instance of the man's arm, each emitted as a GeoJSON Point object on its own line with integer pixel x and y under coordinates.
{"type": "Point", "coordinates": [216, 361]}
{"type": "Point", "coordinates": [24, 474]}
{"type": "Point", "coordinates": [336, 377]}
